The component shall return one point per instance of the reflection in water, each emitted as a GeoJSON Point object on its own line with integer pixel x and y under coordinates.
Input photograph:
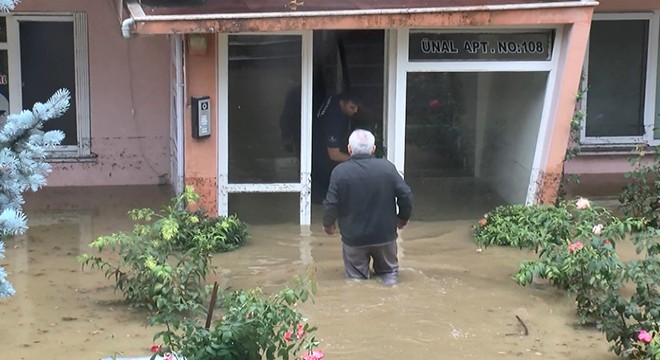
{"type": "Point", "coordinates": [452, 301]}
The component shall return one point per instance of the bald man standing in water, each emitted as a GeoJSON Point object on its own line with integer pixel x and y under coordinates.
{"type": "Point", "coordinates": [363, 196]}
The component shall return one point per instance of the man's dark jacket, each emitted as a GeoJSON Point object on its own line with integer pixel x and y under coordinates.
{"type": "Point", "coordinates": [363, 195]}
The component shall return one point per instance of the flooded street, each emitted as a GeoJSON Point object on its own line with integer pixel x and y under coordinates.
{"type": "Point", "coordinates": [452, 302]}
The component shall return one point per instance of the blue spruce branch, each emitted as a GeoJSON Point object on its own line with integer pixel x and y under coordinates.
{"type": "Point", "coordinates": [6, 290]}
{"type": "Point", "coordinates": [8, 5]}
{"type": "Point", "coordinates": [23, 166]}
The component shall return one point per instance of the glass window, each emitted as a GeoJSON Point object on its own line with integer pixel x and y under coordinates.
{"type": "Point", "coordinates": [264, 108]}
{"type": "Point", "coordinates": [48, 64]}
{"type": "Point", "coordinates": [478, 129]}
{"type": "Point", "coordinates": [617, 78]}
{"type": "Point", "coordinates": [3, 29]}
{"type": "Point", "coordinates": [53, 55]}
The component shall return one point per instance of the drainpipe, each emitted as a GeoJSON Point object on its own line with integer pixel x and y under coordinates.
{"type": "Point", "coordinates": [179, 93]}
{"type": "Point", "coordinates": [126, 26]}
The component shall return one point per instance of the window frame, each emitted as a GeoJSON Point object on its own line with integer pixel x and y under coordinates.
{"type": "Point", "coordinates": [81, 50]}
{"type": "Point", "coordinates": [650, 86]}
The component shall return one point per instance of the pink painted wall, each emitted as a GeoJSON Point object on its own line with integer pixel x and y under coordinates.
{"type": "Point", "coordinates": [129, 96]}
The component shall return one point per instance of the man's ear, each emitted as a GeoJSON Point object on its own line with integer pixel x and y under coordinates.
{"type": "Point", "coordinates": [373, 149]}
{"type": "Point", "coordinates": [350, 151]}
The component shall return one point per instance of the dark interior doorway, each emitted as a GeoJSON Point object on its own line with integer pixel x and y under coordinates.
{"type": "Point", "coordinates": [352, 60]}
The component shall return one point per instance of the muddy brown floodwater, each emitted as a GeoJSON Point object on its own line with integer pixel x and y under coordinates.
{"type": "Point", "coordinates": [453, 302]}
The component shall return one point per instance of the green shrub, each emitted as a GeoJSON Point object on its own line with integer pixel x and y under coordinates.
{"type": "Point", "coordinates": [222, 233]}
{"type": "Point", "coordinates": [625, 316]}
{"type": "Point", "coordinates": [581, 259]}
{"type": "Point", "coordinates": [641, 195]}
{"type": "Point", "coordinates": [513, 225]}
{"type": "Point", "coordinates": [587, 270]}
{"type": "Point", "coordinates": [162, 266]}
{"type": "Point", "coordinates": [154, 267]}
{"type": "Point", "coordinates": [576, 253]}
{"type": "Point", "coordinates": [251, 327]}
{"type": "Point", "coordinates": [538, 226]}
{"type": "Point", "coordinates": [575, 245]}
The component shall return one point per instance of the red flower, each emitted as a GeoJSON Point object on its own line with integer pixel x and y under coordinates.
{"type": "Point", "coordinates": [155, 348]}
{"type": "Point", "coordinates": [287, 335]}
{"type": "Point", "coordinates": [434, 103]}
{"type": "Point", "coordinates": [300, 331]}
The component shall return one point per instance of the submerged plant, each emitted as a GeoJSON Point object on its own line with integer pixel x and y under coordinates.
{"type": "Point", "coordinates": [250, 326]}
{"type": "Point", "coordinates": [521, 226]}
{"type": "Point", "coordinates": [155, 268]}
{"type": "Point", "coordinates": [540, 226]}
{"type": "Point", "coordinates": [163, 264]}
{"type": "Point", "coordinates": [630, 320]}
{"type": "Point", "coordinates": [221, 233]}
{"type": "Point", "coordinates": [641, 195]}
{"type": "Point", "coordinates": [583, 262]}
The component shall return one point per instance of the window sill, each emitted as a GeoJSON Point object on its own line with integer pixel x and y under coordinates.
{"type": "Point", "coordinates": [621, 149]}
{"type": "Point", "coordinates": [62, 158]}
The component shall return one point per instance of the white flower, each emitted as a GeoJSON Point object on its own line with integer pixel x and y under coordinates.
{"type": "Point", "coordinates": [582, 203]}
{"type": "Point", "coordinates": [597, 229]}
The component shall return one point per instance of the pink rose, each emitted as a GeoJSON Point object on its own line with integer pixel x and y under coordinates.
{"type": "Point", "coordinates": [575, 246]}
{"type": "Point", "coordinates": [287, 335]}
{"type": "Point", "coordinates": [314, 355]}
{"type": "Point", "coordinates": [300, 331]}
{"type": "Point", "coordinates": [582, 203]}
{"type": "Point", "coordinates": [644, 336]}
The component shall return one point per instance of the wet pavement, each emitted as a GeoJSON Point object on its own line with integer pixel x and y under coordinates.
{"type": "Point", "coordinates": [453, 302]}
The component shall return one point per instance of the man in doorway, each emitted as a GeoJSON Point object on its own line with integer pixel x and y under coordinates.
{"type": "Point", "coordinates": [363, 196]}
{"type": "Point", "coordinates": [330, 131]}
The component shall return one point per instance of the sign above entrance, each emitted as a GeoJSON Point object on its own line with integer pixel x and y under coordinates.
{"type": "Point", "coordinates": [517, 46]}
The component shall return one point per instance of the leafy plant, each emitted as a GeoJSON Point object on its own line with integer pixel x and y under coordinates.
{"type": "Point", "coordinates": [251, 327]}
{"type": "Point", "coordinates": [152, 269]}
{"type": "Point", "coordinates": [573, 148]}
{"type": "Point", "coordinates": [162, 265]}
{"type": "Point", "coordinates": [641, 195]}
{"type": "Point", "coordinates": [625, 316]}
{"type": "Point", "coordinates": [520, 225]}
{"type": "Point", "coordinates": [584, 262]}
{"type": "Point", "coordinates": [575, 245]}
{"type": "Point", "coordinates": [541, 226]}
{"type": "Point", "coordinates": [222, 233]}
{"type": "Point", "coordinates": [587, 270]}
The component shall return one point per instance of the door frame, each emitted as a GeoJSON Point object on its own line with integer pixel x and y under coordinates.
{"type": "Point", "coordinates": [397, 44]}
{"type": "Point", "coordinates": [303, 187]}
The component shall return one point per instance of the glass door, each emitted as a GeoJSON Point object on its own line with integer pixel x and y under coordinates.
{"type": "Point", "coordinates": [265, 126]}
